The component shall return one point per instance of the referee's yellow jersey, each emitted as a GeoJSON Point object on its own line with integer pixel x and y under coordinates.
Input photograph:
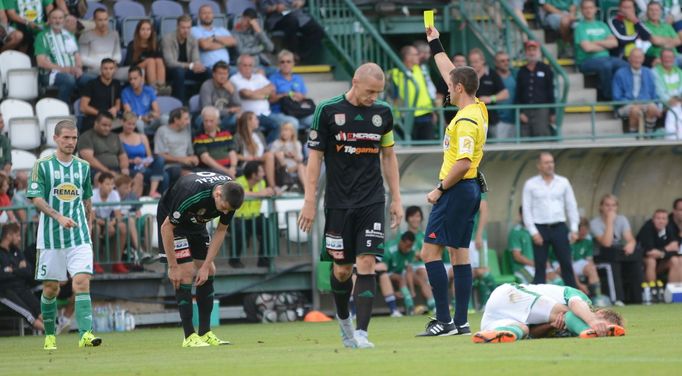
{"type": "Point", "coordinates": [464, 138]}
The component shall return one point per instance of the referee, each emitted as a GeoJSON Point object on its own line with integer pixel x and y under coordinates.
{"type": "Point", "coordinates": [457, 197]}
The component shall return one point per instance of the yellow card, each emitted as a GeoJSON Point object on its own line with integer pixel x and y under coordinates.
{"type": "Point", "coordinates": [428, 19]}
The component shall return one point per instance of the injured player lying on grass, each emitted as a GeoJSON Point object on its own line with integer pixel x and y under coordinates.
{"type": "Point", "coordinates": [516, 311]}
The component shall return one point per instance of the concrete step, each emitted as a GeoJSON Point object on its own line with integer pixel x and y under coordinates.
{"type": "Point", "coordinates": [581, 95]}
{"type": "Point", "coordinates": [576, 81]}
{"type": "Point", "coordinates": [322, 90]}
{"type": "Point", "coordinates": [581, 125]}
{"type": "Point", "coordinates": [317, 77]}
{"type": "Point", "coordinates": [553, 49]}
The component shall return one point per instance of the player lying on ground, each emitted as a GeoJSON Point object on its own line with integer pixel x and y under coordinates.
{"type": "Point", "coordinates": [512, 308]}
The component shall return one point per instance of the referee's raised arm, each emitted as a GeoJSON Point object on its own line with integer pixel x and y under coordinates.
{"type": "Point", "coordinates": [443, 62]}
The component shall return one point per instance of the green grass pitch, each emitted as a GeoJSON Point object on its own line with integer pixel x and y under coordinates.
{"type": "Point", "coordinates": [651, 347]}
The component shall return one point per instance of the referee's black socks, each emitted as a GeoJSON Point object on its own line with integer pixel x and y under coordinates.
{"type": "Point", "coordinates": [184, 298]}
{"type": "Point", "coordinates": [366, 286]}
{"type": "Point", "coordinates": [342, 291]}
{"type": "Point", "coordinates": [205, 305]}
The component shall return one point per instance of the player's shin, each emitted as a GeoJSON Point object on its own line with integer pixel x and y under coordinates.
{"type": "Point", "coordinates": [205, 294]}
{"type": "Point", "coordinates": [83, 306]}
{"type": "Point", "coordinates": [342, 291]}
{"type": "Point", "coordinates": [574, 323]}
{"type": "Point", "coordinates": [48, 307]}
{"type": "Point", "coordinates": [184, 297]}
{"type": "Point", "coordinates": [364, 297]}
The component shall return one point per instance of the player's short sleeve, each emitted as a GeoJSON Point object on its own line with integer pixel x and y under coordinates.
{"type": "Point", "coordinates": [465, 138]}
{"type": "Point", "coordinates": [40, 47]}
{"type": "Point", "coordinates": [387, 139]}
{"type": "Point", "coordinates": [36, 183]}
{"type": "Point", "coordinates": [87, 184]}
{"type": "Point", "coordinates": [176, 208]}
{"type": "Point", "coordinates": [319, 133]}
{"type": "Point", "coordinates": [514, 240]}
{"type": "Point", "coordinates": [573, 293]}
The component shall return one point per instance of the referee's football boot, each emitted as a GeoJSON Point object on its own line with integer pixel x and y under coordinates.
{"type": "Point", "coordinates": [494, 336]}
{"type": "Point", "coordinates": [347, 332]}
{"type": "Point", "coordinates": [362, 341]}
{"type": "Point", "coordinates": [89, 340]}
{"type": "Point", "coordinates": [613, 331]}
{"type": "Point", "coordinates": [463, 330]}
{"type": "Point", "coordinates": [194, 341]}
{"type": "Point", "coordinates": [213, 340]}
{"type": "Point", "coordinates": [436, 328]}
{"type": "Point", "coordinates": [50, 342]}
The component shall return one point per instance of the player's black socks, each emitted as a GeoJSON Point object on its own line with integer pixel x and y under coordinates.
{"type": "Point", "coordinates": [342, 291]}
{"type": "Point", "coordinates": [463, 282]}
{"type": "Point", "coordinates": [364, 297]}
{"type": "Point", "coordinates": [184, 298]}
{"type": "Point", "coordinates": [438, 278]}
{"type": "Point", "coordinates": [205, 305]}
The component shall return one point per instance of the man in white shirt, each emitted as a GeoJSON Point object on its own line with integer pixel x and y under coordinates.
{"type": "Point", "coordinates": [254, 90]}
{"type": "Point", "coordinates": [101, 43]}
{"type": "Point", "coordinates": [213, 41]}
{"type": "Point", "coordinates": [547, 199]}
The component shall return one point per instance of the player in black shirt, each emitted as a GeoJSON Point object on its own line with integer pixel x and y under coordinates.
{"type": "Point", "coordinates": [182, 214]}
{"type": "Point", "coordinates": [350, 133]}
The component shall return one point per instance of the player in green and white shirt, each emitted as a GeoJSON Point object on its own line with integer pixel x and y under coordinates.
{"type": "Point", "coordinates": [60, 187]}
{"type": "Point", "coordinates": [416, 272]}
{"type": "Point", "coordinates": [392, 271]}
{"type": "Point", "coordinates": [583, 265]}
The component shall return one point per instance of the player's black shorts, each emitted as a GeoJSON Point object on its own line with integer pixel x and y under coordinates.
{"type": "Point", "coordinates": [353, 232]}
{"type": "Point", "coordinates": [190, 244]}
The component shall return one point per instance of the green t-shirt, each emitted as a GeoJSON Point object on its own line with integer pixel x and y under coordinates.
{"type": "Point", "coordinates": [590, 31]}
{"type": "Point", "coordinates": [395, 260]}
{"type": "Point", "coordinates": [564, 5]}
{"type": "Point", "coordinates": [61, 47]}
{"type": "Point", "coordinates": [31, 10]}
{"type": "Point", "coordinates": [663, 29]}
{"type": "Point", "coordinates": [520, 239]}
{"type": "Point", "coordinates": [582, 249]}
{"type": "Point", "coordinates": [417, 247]}
{"type": "Point", "coordinates": [668, 84]}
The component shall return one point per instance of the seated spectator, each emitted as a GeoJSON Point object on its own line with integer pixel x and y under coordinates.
{"type": "Point", "coordinates": [535, 85]}
{"type": "Point", "coordinates": [214, 147]}
{"type": "Point", "coordinates": [6, 216]}
{"type": "Point", "coordinates": [213, 40]}
{"type": "Point", "coordinates": [662, 34]}
{"type": "Point", "coordinates": [251, 39]}
{"type": "Point", "coordinates": [636, 83]}
{"type": "Point", "coordinates": [5, 149]}
{"type": "Point", "coordinates": [254, 90]}
{"type": "Point", "coordinates": [143, 51]}
{"type": "Point", "coordinates": [288, 16]}
{"type": "Point", "coordinates": [173, 142]}
{"type": "Point", "coordinates": [103, 94]}
{"type": "Point", "coordinates": [181, 55]}
{"type": "Point", "coordinates": [251, 145]}
{"type": "Point", "coordinates": [28, 17]}
{"type": "Point", "coordinates": [289, 85]}
{"type": "Point", "coordinates": [16, 277]}
{"type": "Point", "coordinates": [140, 99]}
{"type": "Point", "coordinates": [10, 38]}
{"type": "Point", "coordinates": [416, 271]}
{"type": "Point", "coordinates": [660, 248]}
{"type": "Point", "coordinates": [593, 40]}
{"type": "Point", "coordinates": [76, 8]}
{"type": "Point", "coordinates": [289, 155]}
{"type": "Point", "coordinates": [503, 68]}
{"type": "Point", "coordinates": [628, 30]}
{"type": "Point", "coordinates": [100, 43]}
{"type": "Point", "coordinates": [29, 214]}
{"type": "Point", "coordinates": [669, 91]}
{"type": "Point", "coordinates": [675, 220]}
{"type": "Point", "coordinates": [248, 218]}
{"type": "Point", "coordinates": [107, 222]}
{"type": "Point", "coordinates": [393, 273]}
{"type": "Point", "coordinates": [560, 15]}
{"type": "Point", "coordinates": [144, 166]}
{"type": "Point", "coordinates": [102, 148]}
{"type": "Point", "coordinates": [616, 246]}
{"type": "Point", "coordinates": [57, 53]}
{"type": "Point", "coordinates": [490, 89]}
{"type": "Point", "coordinates": [220, 93]}
{"type": "Point", "coordinates": [583, 264]}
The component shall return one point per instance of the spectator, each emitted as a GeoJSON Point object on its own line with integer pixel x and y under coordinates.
{"type": "Point", "coordinates": [100, 43]}
{"type": "Point", "coordinates": [662, 34]}
{"type": "Point", "coordinates": [215, 147]}
{"type": "Point", "coordinates": [505, 126]}
{"type": "Point", "coordinates": [289, 155]}
{"type": "Point", "coordinates": [593, 40]}
{"type": "Point", "coordinates": [173, 142]}
{"type": "Point", "coordinates": [144, 166]}
{"type": "Point", "coordinates": [675, 221]}
{"type": "Point", "coordinates": [5, 150]}
{"type": "Point", "coordinates": [181, 55]}
{"type": "Point", "coordinates": [56, 51]}
{"type": "Point", "coordinates": [669, 90]}
{"type": "Point", "coordinates": [213, 40]}
{"type": "Point", "coordinates": [28, 17]}
{"type": "Point", "coordinates": [458, 60]}
{"type": "Point", "coordinates": [670, 8]}
{"type": "Point", "coordinates": [5, 201]}
{"type": "Point", "coordinates": [251, 145]}
{"type": "Point", "coordinates": [405, 92]}
{"type": "Point", "coordinates": [535, 85]}
{"type": "Point", "coordinates": [636, 83]}
{"type": "Point", "coordinates": [107, 221]}
{"type": "Point", "coordinates": [628, 30]}
{"type": "Point", "coordinates": [102, 148]}
{"type": "Point", "coordinates": [10, 38]}
{"type": "Point", "coordinates": [583, 264]}
{"type": "Point", "coordinates": [392, 270]}
{"type": "Point", "coordinates": [559, 15]}
{"type": "Point", "coordinates": [221, 93]}
{"type": "Point", "coordinates": [424, 57]}
{"type": "Point", "coordinates": [251, 39]}
{"type": "Point", "coordinates": [660, 247]}
{"type": "Point", "coordinates": [289, 85]}
{"type": "Point", "coordinates": [103, 94]}
{"type": "Point", "coordinates": [616, 246]}
{"type": "Point", "coordinates": [416, 271]}
{"type": "Point", "coordinates": [141, 100]}
{"type": "Point", "coordinates": [76, 8]}
{"type": "Point", "coordinates": [548, 200]}
{"type": "Point", "coordinates": [288, 16]}
{"type": "Point", "coordinates": [131, 215]}
{"type": "Point", "coordinates": [16, 277]}
{"type": "Point", "coordinates": [254, 90]}
{"type": "Point", "coordinates": [490, 88]}
{"type": "Point", "coordinates": [248, 218]}
{"type": "Point", "coordinates": [29, 214]}
{"type": "Point", "coordinates": [143, 51]}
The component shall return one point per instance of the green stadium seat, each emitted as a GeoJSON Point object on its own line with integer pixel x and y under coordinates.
{"type": "Point", "coordinates": [494, 266]}
{"type": "Point", "coordinates": [323, 275]}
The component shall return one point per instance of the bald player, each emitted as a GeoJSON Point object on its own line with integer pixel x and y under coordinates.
{"type": "Point", "coordinates": [353, 134]}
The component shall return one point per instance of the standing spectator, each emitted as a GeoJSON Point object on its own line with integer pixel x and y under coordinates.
{"type": "Point", "coordinates": [547, 199]}
{"type": "Point", "coordinates": [669, 91]}
{"type": "Point", "coordinates": [251, 145]}
{"type": "Point", "coordinates": [593, 40]}
{"type": "Point", "coordinates": [181, 55]}
{"type": "Point", "coordinates": [221, 93]}
{"type": "Point", "coordinates": [144, 166]}
{"type": "Point", "coordinates": [99, 43]}
{"type": "Point", "coordinates": [215, 147]}
{"type": "Point", "coordinates": [660, 248]}
{"type": "Point", "coordinates": [173, 142]}
{"type": "Point", "coordinates": [288, 16]}
{"type": "Point", "coordinates": [490, 87]}
{"type": "Point", "coordinates": [662, 34]}
{"type": "Point", "coordinates": [616, 246]}
{"type": "Point", "coordinates": [143, 51]}
{"type": "Point", "coordinates": [291, 85]}
{"type": "Point", "coordinates": [213, 40]}
{"type": "Point", "coordinates": [5, 201]}
{"type": "Point", "coordinates": [628, 29]}
{"type": "Point", "coordinates": [424, 56]}
{"type": "Point", "coordinates": [141, 100]}
{"type": "Point", "coordinates": [535, 85]}
{"type": "Point", "coordinates": [289, 154]}
{"type": "Point", "coordinates": [559, 15]}
{"type": "Point", "coordinates": [10, 37]}
{"type": "Point", "coordinates": [56, 51]}
{"type": "Point", "coordinates": [102, 148]}
{"type": "Point", "coordinates": [505, 127]}
{"type": "Point", "coordinates": [406, 92]}
{"type": "Point", "coordinates": [251, 39]}
{"type": "Point", "coordinates": [675, 220]}
{"type": "Point", "coordinates": [107, 222]}
{"type": "Point", "coordinates": [5, 149]}
{"type": "Point", "coordinates": [255, 90]}
{"type": "Point", "coordinates": [103, 94]}
{"type": "Point", "coordinates": [636, 83]}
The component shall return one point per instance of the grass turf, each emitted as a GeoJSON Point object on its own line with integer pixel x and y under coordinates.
{"type": "Point", "coordinates": [651, 346]}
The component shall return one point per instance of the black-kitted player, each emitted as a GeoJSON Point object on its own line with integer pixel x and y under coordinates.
{"type": "Point", "coordinates": [353, 134]}
{"type": "Point", "coordinates": [182, 214]}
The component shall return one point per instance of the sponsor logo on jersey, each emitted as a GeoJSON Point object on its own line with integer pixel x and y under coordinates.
{"type": "Point", "coordinates": [66, 192]}
{"type": "Point", "coordinates": [374, 234]}
{"type": "Point", "coordinates": [446, 142]}
{"type": "Point", "coordinates": [313, 135]}
{"type": "Point", "coordinates": [352, 136]}
{"type": "Point", "coordinates": [34, 185]}
{"type": "Point", "coordinates": [333, 242]}
{"type": "Point", "coordinates": [377, 121]}
{"type": "Point", "coordinates": [176, 215]}
{"type": "Point", "coordinates": [76, 175]}
{"type": "Point", "coordinates": [340, 119]}
{"type": "Point", "coordinates": [377, 226]}
{"type": "Point", "coordinates": [359, 117]}
{"type": "Point", "coordinates": [181, 243]}
{"type": "Point", "coordinates": [356, 151]}
{"type": "Point", "coordinates": [466, 145]}
{"type": "Point", "coordinates": [57, 175]}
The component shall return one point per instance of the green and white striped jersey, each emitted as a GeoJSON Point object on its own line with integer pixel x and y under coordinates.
{"type": "Point", "coordinates": [63, 187]}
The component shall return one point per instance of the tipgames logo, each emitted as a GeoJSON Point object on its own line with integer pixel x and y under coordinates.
{"type": "Point", "coordinates": [66, 192]}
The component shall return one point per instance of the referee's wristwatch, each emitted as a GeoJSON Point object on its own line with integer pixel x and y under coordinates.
{"type": "Point", "coordinates": [440, 187]}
